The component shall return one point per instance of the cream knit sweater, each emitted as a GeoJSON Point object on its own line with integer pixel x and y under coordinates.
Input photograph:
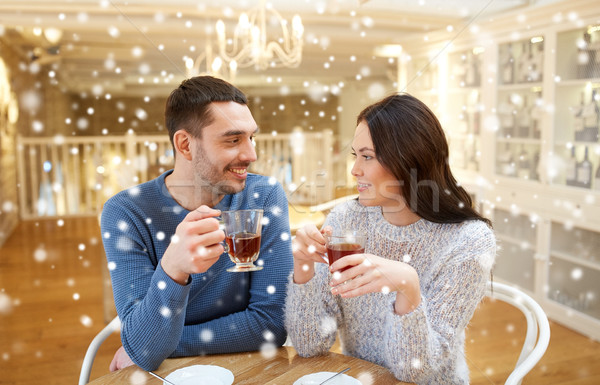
{"type": "Point", "coordinates": [426, 346]}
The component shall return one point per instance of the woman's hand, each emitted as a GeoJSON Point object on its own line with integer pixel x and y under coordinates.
{"type": "Point", "coordinates": [368, 273]}
{"type": "Point", "coordinates": [308, 247]}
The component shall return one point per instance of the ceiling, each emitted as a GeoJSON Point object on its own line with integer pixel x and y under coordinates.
{"type": "Point", "coordinates": [136, 47]}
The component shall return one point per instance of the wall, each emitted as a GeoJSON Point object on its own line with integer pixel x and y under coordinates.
{"type": "Point", "coordinates": [8, 175]}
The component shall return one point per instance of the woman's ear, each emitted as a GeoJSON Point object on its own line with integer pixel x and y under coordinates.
{"type": "Point", "coordinates": [182, 142]}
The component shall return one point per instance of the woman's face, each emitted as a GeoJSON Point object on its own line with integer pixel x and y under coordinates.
{"type": "Point", "coordinates": [376, 185]}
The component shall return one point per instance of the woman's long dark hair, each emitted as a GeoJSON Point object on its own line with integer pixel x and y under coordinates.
{"type": "Point", "coordinates": [409, 142]}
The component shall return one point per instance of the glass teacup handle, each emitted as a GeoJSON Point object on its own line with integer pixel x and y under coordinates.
{"type": "Point", "coordinates": [222, 227]}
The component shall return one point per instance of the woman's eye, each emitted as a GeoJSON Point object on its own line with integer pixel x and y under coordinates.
{"type": "Point", "coordinates": [353, 154]}
{"type": "Point", "coordinates": [367, 157]}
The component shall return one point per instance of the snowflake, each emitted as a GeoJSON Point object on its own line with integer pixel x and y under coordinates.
{"type": "Point", "coordinates": [271, 289]}
{"type": "Point", "coordinates": [124, 244]}
{"type": "Point", "coordinates": [328, 325]}
{"type": "Point", "coordinates": [206, 335]}
{"type": "Point", "coordinates": [122, 226]}
{"type": "Point", "coordinates": [86, 321]}
{"type": "Point", "coordinates": [165, 312]}
{"type": "Point", "coordinates": [268, 350]}
{"type": "Point", "coordinates": [5, 304]}
{"type": "Point", "coordinates": [162, 285]}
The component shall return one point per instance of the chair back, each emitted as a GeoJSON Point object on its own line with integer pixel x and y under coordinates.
{"type": "Point", "coordinates": [538, 328]}
{"type": "Point", "coordinates": [88, 361]}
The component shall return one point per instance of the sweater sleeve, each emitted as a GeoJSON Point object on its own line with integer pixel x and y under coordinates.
{"type": "Point", "coordinates": [312, 312]}
{"type": "Point", "coordinates": [429, 339]}
{"type": "Point", "coordinates": [150, 304]}
{"type": "Point", "coordinates": [261, 322]}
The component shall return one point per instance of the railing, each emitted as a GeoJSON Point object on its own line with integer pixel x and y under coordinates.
{"type": "Point", "coordinates": [69, 176]}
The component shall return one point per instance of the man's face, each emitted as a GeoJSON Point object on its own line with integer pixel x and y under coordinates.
{"type": "Point", "coordinates": [222, 156]}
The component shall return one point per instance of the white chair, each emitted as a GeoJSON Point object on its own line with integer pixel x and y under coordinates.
{"type": "Point", "coordinates": [86, 368]}
{"type": "Point", "coordinates": [538, 328]}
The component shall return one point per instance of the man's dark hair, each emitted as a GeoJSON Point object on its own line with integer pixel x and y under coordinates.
{"type": "Point", "coordinates": [187, 106]}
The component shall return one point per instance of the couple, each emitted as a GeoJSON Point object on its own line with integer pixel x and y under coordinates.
{"type": "Point", "coordinates": [404, 304]}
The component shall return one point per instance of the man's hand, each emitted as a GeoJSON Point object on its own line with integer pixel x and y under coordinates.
{"type": "Point", "coordinates": [120, 360]}
{"type": "Point", "coordinates": [196, 245]}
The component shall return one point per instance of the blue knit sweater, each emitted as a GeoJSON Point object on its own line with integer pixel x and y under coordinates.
{"type": "Point", "coordinates": [425, 346]}
{"type": "Point", "coordinates": [217, 311]}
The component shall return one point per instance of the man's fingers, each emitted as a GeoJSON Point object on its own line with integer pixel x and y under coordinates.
{"type": "Point", "coordinates": [202, 212]}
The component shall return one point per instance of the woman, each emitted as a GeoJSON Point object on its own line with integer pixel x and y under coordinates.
{"type": "Point", "coordinates": [404, 303]}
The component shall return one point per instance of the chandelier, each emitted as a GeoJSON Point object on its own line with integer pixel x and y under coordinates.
{"type": "Point", "coordinates": [208, 63]}
{"type": "Point", "coordinates": [250, 45]}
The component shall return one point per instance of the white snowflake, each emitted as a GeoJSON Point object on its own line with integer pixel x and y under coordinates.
{"type": "Point", "coordinates": [40, 254]}
{"type": "Point", "coordinates": [206, 335]}
{"type": "Point", "coordinates": [5, 303]}
{"type": "Point", "coordinates": [122, 226]}
{"type": "Point", "coordinates": [124, 244]}
{"type": "Point", "coordinates": [86, 321]}
{"type": "Point", "coordinates": [268, 350]}
{"type": "Point", "coordinates": [271, 289]}
{"type": "Point", "coordinates": [165, 312]}
{"type": "Point", "coordinates": [328, 325]}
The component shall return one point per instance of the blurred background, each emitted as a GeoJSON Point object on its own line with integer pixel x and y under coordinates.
{"type": "Point", "coordinates": [83, 83]}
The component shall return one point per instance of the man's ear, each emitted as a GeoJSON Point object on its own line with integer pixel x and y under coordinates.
{"type": "Point", "coordinates": [182, 141]}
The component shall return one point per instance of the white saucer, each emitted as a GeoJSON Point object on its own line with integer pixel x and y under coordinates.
{"type": "Point", "coordinates": [317, 378]}
{"type": "Point", "coordinates": [201, 375]}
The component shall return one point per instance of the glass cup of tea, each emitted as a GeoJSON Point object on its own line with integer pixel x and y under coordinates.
{"type": "Point", "coordinates": [242, 238]}
{"type": "Point", "coordinates": [341, 243]}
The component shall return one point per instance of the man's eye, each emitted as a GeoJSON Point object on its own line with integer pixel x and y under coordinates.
{"type": "Point", "coordinates": [353, 154]}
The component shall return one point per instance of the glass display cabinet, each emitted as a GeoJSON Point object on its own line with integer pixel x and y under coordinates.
{"type": "Point", "coordinates": [517, 238]}
{"type": "Point", "coordinates": [519, 108]}
{"type": "Point", "coordinates": [463, 119]}
{"type": "Point", "coordinates": [577, 115]}
{"type": "Point", "coordinates": [574, 268]}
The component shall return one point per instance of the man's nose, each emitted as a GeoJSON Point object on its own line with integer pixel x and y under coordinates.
{"type": "Point", "coordinates": [248, 153]}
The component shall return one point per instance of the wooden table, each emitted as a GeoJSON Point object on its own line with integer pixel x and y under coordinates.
{"type": "Point", "coordinates": [252, 368]}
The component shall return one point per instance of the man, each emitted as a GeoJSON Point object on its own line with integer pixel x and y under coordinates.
{"type": "Point", "coordinates": [164, 245]}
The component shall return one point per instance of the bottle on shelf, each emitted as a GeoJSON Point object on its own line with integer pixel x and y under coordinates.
{"type": "Point", "coordinates": [506, 117]}
{"type": "Point", "coordinates": [471, 70]}
{"type": "Point", "coordinates": [508, 66]}
{"type": "Point", "coordinates": [523, 165]}
{"type": "Point", "coordinates": [577, 112]}
{"type": "Point", "coordinates": [591, 119]}
{"type": "Point", "coordinates": [538, 59]}
{"type": "Point", "coordinates": [534, 167]}
{"type": "Point", "coordinates": [533, 74]}
{"type": "Point", "coordinates": [523, 119]}
{"type": "Point", "coordinates": [473, 113]}
{"type": "Point", "coordinates": [597, 179]}
{"type": "Point", "coordinates": [537, 113]}
{"type": "Point", "coordinates": [523, 64]}
{"type": "Point", "coordinates": [506, 164]}
{"type": "Point", "coordinates": [584, 171]}
{"type": "Point", "coordinates": [571, 169]}
{"type": "Point", "coordinates": [472, 162]}
{"type": "Point", "coordinates": [585, 58]}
